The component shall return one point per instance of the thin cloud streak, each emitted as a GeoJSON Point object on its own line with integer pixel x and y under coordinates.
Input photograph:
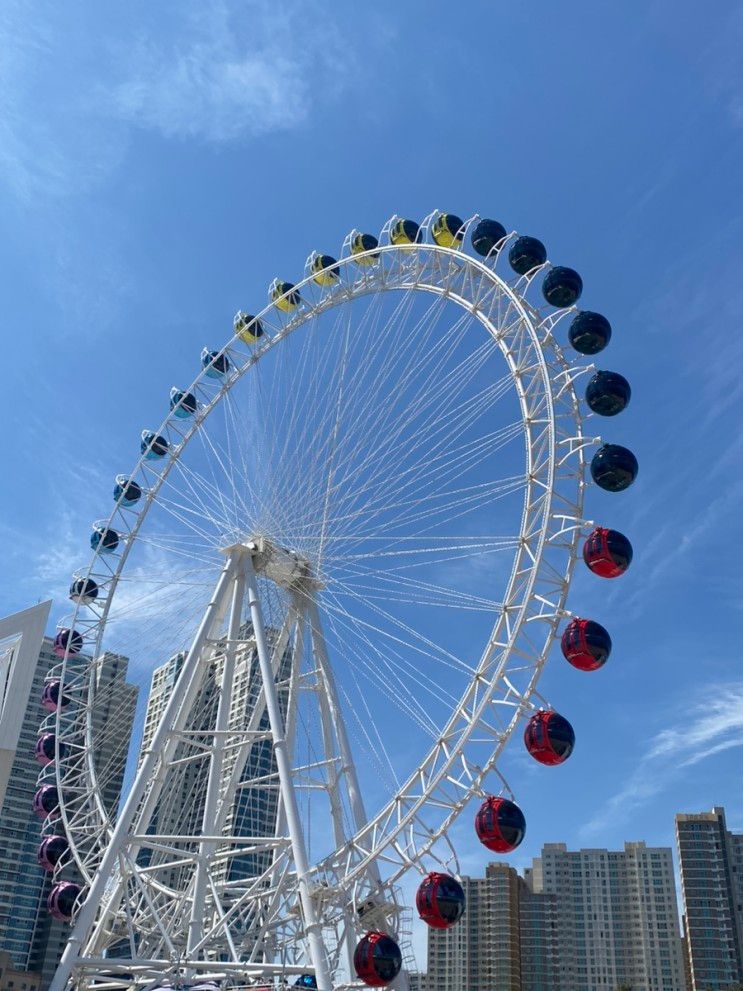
{"type": "Point", "coordinates": [714, 725]}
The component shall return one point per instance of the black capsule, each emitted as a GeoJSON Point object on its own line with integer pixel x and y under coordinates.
{"type": "Point", "coordinates": [486, 236]}
{"type": "Point", "coordinates": [614, 468]}
{"type": "Point", "coordinates": [562, 287]}
{"type": "Point", "coordinates": [589, 332]}
{"type": "Point", "coordinates": [526, 254]}
{"type": "Point", "coordinates": [608, 393]}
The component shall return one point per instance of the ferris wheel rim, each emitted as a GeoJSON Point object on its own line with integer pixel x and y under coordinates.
{"type": "Point", "coordinates": [364, 285]}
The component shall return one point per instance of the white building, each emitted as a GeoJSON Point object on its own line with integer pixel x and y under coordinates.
{"type": "Point", "coordinates": [617, 917]}
{"type": "Point", "coordinates": [586, 920]}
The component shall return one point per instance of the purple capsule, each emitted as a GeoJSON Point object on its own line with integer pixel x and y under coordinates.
{"type": "Point", "coordinates": [51, 851]}
{"type": "Point", "coordinates": [68, 642]}
{"type": "Point", "coordinates": [46, 802]}
{"type": "Point", "coordinates": [50, 697]}
{"type": "Point", "coordinates": [45, 747]}
{"type": "Point", "coordinates": [61, 900]}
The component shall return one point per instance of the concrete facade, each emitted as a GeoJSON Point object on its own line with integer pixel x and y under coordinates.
{"type": "Point", "coordinates": [586, 920]}
{"type": "Point", "coordinates": [617, 917]}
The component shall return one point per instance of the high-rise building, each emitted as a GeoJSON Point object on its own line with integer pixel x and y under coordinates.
{"type": "Point", "coordinates": [617, 917]}
{"type": "Point", "coordinates": [540, 960]}
{"type": "Point", "coordinates": [31, 937]}
{"type": "Point", "coordinates": [181, 804]}
{"type": "Point", "coordinates": [586, 920]}
{"type": "Point", "coordinates": [505, 940]}
{"type": "Point", "coordinates": [711, 860]}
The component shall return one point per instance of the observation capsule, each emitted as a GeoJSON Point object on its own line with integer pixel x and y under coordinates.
{"type": "Point", "coordinates": [322, 270]}
{"type": "Point", "coordinates": [247, 327]}
{"type": "Point", "coordinates": [440, 900]}
{"type": "Point", "coordinates": [46, 802]}
{"type": "Point", "coordinates": [447, 230]}
{"type": "Point", "coordinates": [361, 243]}
{"type": "Point", "coordinates": [585, 644]}
{"type": "Point", "coordinates": [306, 981]}
{"type": "Point", "coordinates": [500, 824]}
{"type": "Point", "coordinates": [608, 393]}
{"type": "Point", "coordinates": [216, 364]}
{"type": "Point", "coordinates": [607, 553]}
{"type": "Point", "coordinates": [526, 254]}
{"type": "Point", "coordinates": [104, 539]}
{"type": "Point", "coordinates": [153, 446]}
{"type": "Point", "coordinates": [405, 232]}
{"type": "Point", "coordinates": [126, 491]}
{"type": "Point", "coordinates": [84, 591]}
{"type": "Point", "coordinates": [614, 468]}
{"type": "Point", "coordinates": [68, 642]}
{"type": "Point", "coordinates": [51, 851]}
{"type": "Point", "coordinates": [292, 299]}
{"type": "Point", "coordinates": [549, 737]}
{"type": "Point", "coordinates": [52, 694]}
{"type": "Point", "coordinates": [562, 287]}
{"type": "Point", "coordinates": [589, 332]}
{"type": "Point", "coordinates": [61, 900]}
{"type": "Point", "coordinates": [44, 751]}
{"type": "Point", "coordinates": [182, 404]}
{"type": "Point", "coordinates": [377, 959]}
{"type": "Point", "coordinates": [486, 236]}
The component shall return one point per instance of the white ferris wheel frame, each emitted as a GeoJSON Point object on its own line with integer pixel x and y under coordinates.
{"type": "Point", "coordinates": [397, 837]}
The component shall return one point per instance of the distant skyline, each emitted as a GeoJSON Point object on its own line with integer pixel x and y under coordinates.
{"type": "Point", "coordinates": [159, 166]}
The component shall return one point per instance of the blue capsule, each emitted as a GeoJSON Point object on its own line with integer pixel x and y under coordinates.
{"type": "Point", "coordinates": [153, 446]}
{"type": "Point", "coordinates": [126, 491]}
{"type": "Point", "coordinates": [216, 364]}
{"type": "Point", "coordinates": [104, 539]}
{"type": "Point", "coordinates": [83, 590]}
{"type": "Point", "coordinates": [182, 404]}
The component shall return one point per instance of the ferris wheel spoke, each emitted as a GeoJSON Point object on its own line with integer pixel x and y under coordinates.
{"type": "Point", "coordinates": [404, 588]}
{"type": "Point", "coordinates": [349, 426]}
{"type": "Point", "coordinates": [392, 642]}
{"type": "Point", "coordinates": [412, 477]}
{"type": "Point", "coordinates": [414, 511]}
{"type": "Point", "coordinates": [399, 691]}
{"type": "Point", "coordinates": [375, 750]}
{"type": "Point", "coordinates": [314, 384]}
{"type": "Point", "coordinates": [441, 467]}
{"type": "Point", "coordinates": [387, 445]}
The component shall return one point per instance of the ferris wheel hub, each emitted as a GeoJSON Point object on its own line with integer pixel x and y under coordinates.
{"type": "Point", "coordinates": [286, 568]}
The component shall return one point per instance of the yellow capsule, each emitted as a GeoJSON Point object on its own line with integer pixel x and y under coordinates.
{"type": "Point", "coordinates": [447, 230]}
{"type": "Point", "coordinates": [291, 298]}
{"type": "Point", "coordinates": [322, 271]}
{"type": "Point", "coordinates": [247, 327]}
{"type": "Point", "coordinates": [362, 243]}
{"type": "Point", "coordinates": [404, 232]}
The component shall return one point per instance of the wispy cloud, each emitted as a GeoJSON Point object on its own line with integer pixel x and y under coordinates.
{"type": "Point", "coordinates": [713, 725]}
{"type": "Point", "coordinates": [213, 72]}
{"type": "Point", "coordinates": [225, 75]}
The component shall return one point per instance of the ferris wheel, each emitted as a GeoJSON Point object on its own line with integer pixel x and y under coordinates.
{"type": "Point", "coordinates": [346, 551]}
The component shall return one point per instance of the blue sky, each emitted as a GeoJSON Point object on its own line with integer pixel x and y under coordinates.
{"type": "Point", "coordinates": [160, 165]}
